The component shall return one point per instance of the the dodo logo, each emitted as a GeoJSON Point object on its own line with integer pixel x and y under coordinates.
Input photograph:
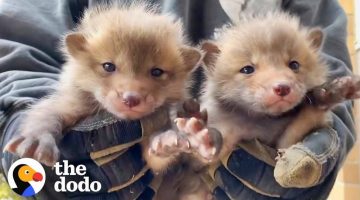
{"type": "Point", "coordinates": [26, 177]}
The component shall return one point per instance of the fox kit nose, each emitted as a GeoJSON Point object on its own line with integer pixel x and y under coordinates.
{"type": "Point", "coordinates": [131, 99]}
{"type": "Point", "coordinates": [282, 90]}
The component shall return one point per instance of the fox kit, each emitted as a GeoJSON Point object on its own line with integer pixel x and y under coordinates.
{"type": "Point", "coordinates": [263, 71]}
{"type": "Point", "coordinates": [265, 80]}
{"type": "Point", "coordinates": [130, 61]}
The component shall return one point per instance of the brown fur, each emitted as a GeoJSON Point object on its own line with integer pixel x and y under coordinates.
{"type": "Point", "coordinates": [307, 120]}
{"type": "Point", "coordinates": [136, 39]}
{"type": "Point", "coordinates": [237, 102]}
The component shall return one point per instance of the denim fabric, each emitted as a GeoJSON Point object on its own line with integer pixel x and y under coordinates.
{"type": "Point", "coordinates": [129, 163]}
{"type": "Point", "coordinates": [95, 133]}
{"type": "Point", "coordinates": [98, 133]}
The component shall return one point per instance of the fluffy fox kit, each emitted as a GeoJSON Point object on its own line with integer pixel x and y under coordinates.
{"type": "Point", "coordinates": [264, 69]}
{"type": "Point", "coordinates": [265, 80]}
{"type": "Point", "coordinates": [128, 60]}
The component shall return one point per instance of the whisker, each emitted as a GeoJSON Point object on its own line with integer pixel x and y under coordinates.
{"type": "Point", "coordinates": [309, 99]}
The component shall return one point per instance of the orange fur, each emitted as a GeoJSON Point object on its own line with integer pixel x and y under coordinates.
{"type": "Point", "coordinates": [136, 39]}
{"type": "Point", "coordinates": [307, 120]}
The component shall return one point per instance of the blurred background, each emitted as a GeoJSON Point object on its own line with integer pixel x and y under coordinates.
{"type": "Point", "coordinates": [347, 186]}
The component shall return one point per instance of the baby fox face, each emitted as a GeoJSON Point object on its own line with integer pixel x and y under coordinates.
{"type": "Point", "coordinates": [132, 61]}
{"type": "Point", "coordinates": [267, 64]}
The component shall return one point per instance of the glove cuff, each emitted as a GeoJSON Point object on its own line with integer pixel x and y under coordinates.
{"type": "Point", "coordinates": [306, 164]}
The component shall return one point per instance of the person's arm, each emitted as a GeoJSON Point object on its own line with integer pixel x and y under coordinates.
{"type": "Point", "coordinates": [29, 55]}
{"type": "Point", "coordinates": [243, 176]}
{"type": "Point", "coordinates": [29, 60]}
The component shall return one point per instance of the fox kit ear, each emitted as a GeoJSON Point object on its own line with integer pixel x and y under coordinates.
{"type": "Point", "coordinates": [191, 56]}
{"type": "Point", "coordinates": [75, 43]}
{"type": "Point", "coordinates": [316, 37]}
{"type": "Point", "coordinates": [211, 52]}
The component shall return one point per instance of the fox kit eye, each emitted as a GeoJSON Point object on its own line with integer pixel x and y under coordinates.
{"type": "Point", "coordinates": [248, 69]}
{"type": "Point", "coordinates": [156, 72]}
{"type": "Point", "coordinates": [109, 67]}
{"type": "Point", "coordinates": [294, 65]}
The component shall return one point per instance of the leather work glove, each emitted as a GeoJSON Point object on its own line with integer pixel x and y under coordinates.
{"type": "Point", "coordinates": [304, 171]}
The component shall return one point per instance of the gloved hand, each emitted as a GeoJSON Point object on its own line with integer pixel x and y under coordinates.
{"type": "Point", "coordinates": [306, 170]}
{"type": "Point", "coordinates": [301, 165]}
{"type": "Point", "coordinates": [109, 150]}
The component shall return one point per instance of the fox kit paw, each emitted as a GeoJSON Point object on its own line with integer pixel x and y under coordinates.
{"type": "Point", "coordinates": [168, 143]}
{"type": "Point", "coordinates": [338, 90]}
{"type": "Point", "coordinates": [204, 141]}
{"type": "Point", "coordinates": [42, 148]}
{"type": "Point", "coordinates": [348, 87]}
{"type": "Point", "coordinates": [191, 108]}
